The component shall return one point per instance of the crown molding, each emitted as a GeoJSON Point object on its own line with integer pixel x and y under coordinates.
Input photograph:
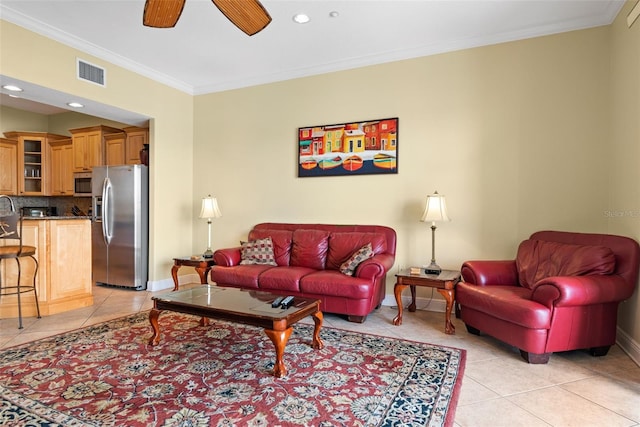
{"type": "Point", "coordinates": [46, 30]}
{"type": "Point", "coordinates": [612, 9]}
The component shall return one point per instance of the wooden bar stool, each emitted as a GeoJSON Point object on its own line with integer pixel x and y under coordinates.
{"type": "Point", "coordinates": [11, 247]}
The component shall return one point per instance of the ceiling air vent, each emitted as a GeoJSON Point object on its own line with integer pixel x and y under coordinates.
{"type": "Point", "coordinates": [91, 73]}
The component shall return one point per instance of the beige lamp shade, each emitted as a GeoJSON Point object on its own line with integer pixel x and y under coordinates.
{"type": "Point", "coordinates": [435, 209]}
{"type": "Point", "coordinates": [210, 208]}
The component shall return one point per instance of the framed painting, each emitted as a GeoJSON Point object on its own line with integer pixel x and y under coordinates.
{"type": "Point", "coordinates": [354, 148]}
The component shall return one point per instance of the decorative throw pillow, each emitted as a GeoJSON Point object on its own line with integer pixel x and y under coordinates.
{"type": "Point", "coordinates": [259, 251]}
{"type": "Point", "coordinates": [349, 266]}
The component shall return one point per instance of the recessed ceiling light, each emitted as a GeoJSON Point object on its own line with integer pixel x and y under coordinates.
{"type": "Point", "coordinates": [301, 18]}
{"type": "Point", "coordinates": [334, 14]}
{"type": "Point", "coordinates": [13, 96]}
{"type": "Point", "coordinates": [12, 88]}
{"type": "Point", "coordinates": [75, 104]}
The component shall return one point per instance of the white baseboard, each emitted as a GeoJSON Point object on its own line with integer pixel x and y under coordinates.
{"type": "Point", "coordinates": [161, 285]}
{"type": "Point", "coordinates": [628, 345]}
{"type": "Point", "coordinates": [429, 304]}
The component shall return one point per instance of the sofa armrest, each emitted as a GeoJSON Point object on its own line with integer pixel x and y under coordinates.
{"type": "Point", "coordinates": [227, 257]}
{"type": "Point", "coordinates": [568, 291]}
{"type": "Point", "coordinates": [490, 272]}
{"type": "Point", "coordinates": [375, 266]}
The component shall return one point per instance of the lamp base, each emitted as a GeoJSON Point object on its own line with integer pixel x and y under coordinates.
{"type": "Point", "coordinates": [432, 268]}
{"type": "Point", "coordinates": [207, 254]}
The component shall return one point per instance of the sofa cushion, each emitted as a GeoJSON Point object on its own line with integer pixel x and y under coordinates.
{"type": "Point", "coordinates": [539, 259]}
{"type": "Point", "coordinates": [342, 245]}
{"type": "Point", "coordinates": [334, 283]}
{"type": "Point", "coordinates": [349, 266]}
{"type": "Point", "coordinates": [512, 304]}
{"type": "Point", "coordinates": [242, 276]}
{"type": "Point", "coordinates": [283, 279]}
{"type": "Point", "coordinates": [281, 243]}
{"type": "Point", "coordinates": [258, 251]}
{"type": "Point", "coordinates": [309, 248]}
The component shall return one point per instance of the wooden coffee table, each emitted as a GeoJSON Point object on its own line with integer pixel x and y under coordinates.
{"type": "Point", "coordinates": [241, 306]}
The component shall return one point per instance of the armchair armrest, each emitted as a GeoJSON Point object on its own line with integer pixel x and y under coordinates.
{"type": "Point", "coordinates": [490, 272]}
{"type": "Point", "coordinates": [570, 291]}
{"type": "Point", "coordinates": [227, 257]}
{"type": "Point", "coordinates": [375, 266]}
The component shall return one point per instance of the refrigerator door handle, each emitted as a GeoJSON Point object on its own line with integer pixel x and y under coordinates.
{"type": "Point", "coordinates": [107, 233]}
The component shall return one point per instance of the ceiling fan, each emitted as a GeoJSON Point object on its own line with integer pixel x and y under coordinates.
{"type": "Point", "coordinates": [248, 15]}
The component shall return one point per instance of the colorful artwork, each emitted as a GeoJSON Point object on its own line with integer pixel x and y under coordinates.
{"type": "Point", "coordinates": [358, 148]}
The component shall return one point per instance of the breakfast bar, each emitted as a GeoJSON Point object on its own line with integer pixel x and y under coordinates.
{"type": "Point", "coordinates": [63, 251]}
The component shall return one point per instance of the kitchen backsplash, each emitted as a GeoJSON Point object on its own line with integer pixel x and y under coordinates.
{"type": "Point", "coordinates": [64, 205]}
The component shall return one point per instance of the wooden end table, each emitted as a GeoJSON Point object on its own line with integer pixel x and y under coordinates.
{"type": "Point", "coordinates": [445, 283]}
{"type": "Point", "coordinates": [202, 266]}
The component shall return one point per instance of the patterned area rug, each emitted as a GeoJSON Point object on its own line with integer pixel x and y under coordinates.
{"type": "Point", "coordinates": [219, 375]}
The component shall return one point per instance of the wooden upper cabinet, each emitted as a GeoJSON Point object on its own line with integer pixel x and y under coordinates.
{"type": "Point", "coordinates": [114, 144]}
{"type": "Point", "coordinates": [136, 139]}
{"type": "Point", "coordinates": [8, 167]}
{"type": "Point", "coordinates": [89, 146]}
{"type": "Point", "coordinates": [61, 170]}
{"type": "Point", "coordinates": [33, 161]}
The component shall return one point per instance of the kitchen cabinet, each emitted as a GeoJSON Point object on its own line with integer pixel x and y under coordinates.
{"type": "Point", "coordinates": [33, 157]}
{"type": "Point", "coordinates": [63, 282]}
{"type": "Point", "coordinates": [136, 139]}
{"type": "Point", "coordinates": [115, 149]}
{"type": "Point", "coordinates": [89, 146]}
{"type": "Point", "coordinates": [8, 166]}
{"type": "Point", "coordinates": [61, 167]}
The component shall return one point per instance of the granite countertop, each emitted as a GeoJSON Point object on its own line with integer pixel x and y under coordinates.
{"type": "Point", "coordinates": [56, 217]}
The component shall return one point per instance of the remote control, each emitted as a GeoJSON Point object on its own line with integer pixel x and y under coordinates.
{"type": "Point", "coordinates": [287, 302]}
{"type": "Point", "coordinates": [276, 302]}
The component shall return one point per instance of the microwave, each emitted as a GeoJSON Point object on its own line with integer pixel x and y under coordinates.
{"type": "Point", "coordinates": [82, 184]}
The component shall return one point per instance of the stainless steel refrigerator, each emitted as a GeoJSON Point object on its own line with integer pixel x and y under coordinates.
{"type": "Point", "coordinates": [119, 228]}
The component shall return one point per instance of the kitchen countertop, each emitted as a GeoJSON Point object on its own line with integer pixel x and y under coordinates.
{"type": "Point", "coordinates": [55, 217]}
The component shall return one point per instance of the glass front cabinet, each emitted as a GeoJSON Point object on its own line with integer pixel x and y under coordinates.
{"type": "Point", "coordinates": [33, 161]}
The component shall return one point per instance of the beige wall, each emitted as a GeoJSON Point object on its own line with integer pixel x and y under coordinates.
{"type": "Point", "coordinates": [514, 135]}
{"type": "Point", "coordinates": [36, 59]}
{"type": "Point", "coordinates": [13, 119]}
{"type": "Point", "coordinates": [624, 149]}
{"type": "Point", "coordinates": [528, 135]}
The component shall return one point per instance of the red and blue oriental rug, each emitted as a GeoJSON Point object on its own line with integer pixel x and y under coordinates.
{"type": "Point", "coordinates": [219, 375]}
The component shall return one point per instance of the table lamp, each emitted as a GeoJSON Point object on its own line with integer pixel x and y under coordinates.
{"type": "Point", "coordinates": [434, 210]}
{"type": "Point", "coordinates": [209, 210]}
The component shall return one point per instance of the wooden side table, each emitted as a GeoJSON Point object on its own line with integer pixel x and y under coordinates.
{"type": "Point", "coordinates": [445, 283]}
{"type": "Point", "coordinates": [202, 266]}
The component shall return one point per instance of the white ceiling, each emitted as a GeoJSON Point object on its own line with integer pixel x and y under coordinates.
{"type": "Point", "coordinates": [205, 53]}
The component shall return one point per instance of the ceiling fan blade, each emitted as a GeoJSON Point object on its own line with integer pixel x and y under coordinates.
{"type": "Point", "coordinates": [162, 13]}
{"type": "Point", "coordinates": [248, 15]}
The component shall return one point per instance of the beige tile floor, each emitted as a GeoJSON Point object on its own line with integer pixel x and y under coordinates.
{"type": "Point", "coordinates": [498, 389]}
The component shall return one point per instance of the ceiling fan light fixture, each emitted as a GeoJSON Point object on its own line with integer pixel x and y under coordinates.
{"type": "Point", "coordinates": [301, 18]}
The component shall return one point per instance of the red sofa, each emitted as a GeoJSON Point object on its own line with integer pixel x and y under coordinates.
{"type": "Point", "coordinates": [560, 293]}
{"type": "Point", "coordinates": [308, 259]}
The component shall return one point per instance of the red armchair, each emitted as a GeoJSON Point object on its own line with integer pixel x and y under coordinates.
{"type": "Point", "coordinates": [560, 293]}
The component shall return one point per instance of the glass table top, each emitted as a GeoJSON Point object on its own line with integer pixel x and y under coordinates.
{"type": "Point", "coordinates": [233, 300]}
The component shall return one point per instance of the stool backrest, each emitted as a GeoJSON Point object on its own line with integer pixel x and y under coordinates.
{"type": "Point", "coordinates": [10, 221]}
